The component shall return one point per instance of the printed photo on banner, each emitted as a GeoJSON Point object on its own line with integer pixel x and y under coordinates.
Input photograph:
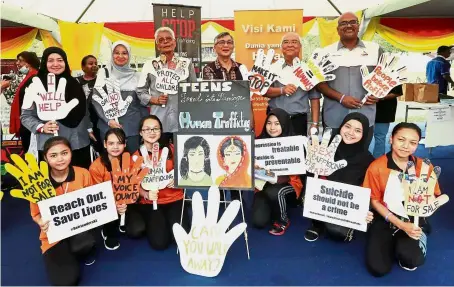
{"type": "Point", "coordinates": [337, 203]}
{"type": "Point", "coordinates": [214, 107]}
{"type": "Point", "coordinates": [75, 212]}
{"type": "Point", "coordinates": [206, 160]}
{"type": "Point", "coordinates": [282, 156]}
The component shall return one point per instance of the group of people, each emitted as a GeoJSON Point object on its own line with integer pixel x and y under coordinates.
{"type": "Point", "coordinates": [152, 118]}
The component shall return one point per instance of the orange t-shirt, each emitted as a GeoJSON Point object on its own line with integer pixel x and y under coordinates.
{"type": "Point", "coordinates": [166, 195]}
{"type": "Point", "coordinates": [78, 178]}
{"type": "Point", "coordinates": [378, 173]}
{"type": "Point", "coordinates": [99, 172]}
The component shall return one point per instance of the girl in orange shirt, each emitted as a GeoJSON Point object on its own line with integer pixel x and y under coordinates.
{"type": "Point", "coordinates": [62, 258]}
{"type": "Point", "coordinates": [391, 236]}
{"type": "Point", "coordinates": [141, 218]}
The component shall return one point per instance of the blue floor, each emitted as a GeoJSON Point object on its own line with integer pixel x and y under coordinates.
{"type": "Point", "coordinates": [285, 260]}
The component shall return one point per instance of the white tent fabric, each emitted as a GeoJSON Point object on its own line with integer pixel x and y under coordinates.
{"type": "Point", "coordinates": [141, 10]}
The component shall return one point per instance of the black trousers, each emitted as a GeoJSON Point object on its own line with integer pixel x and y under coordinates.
{"type": "Point", "coordinates": [62, 260]}
{"type": "Point", "coordinates": [80, 157]}
{"type": "Point", "coordinates": [299, 123]}
{"type": "Point", "coordinates": [334, 232]}
{"type": "Point", "coordinates": [271, 204]}
{"type": "Point", "coordinates": [25, 135]}
{"type": "Point", "coordinates": [155, 224]}
{"type": "Point", "coordinates": [384, 245]}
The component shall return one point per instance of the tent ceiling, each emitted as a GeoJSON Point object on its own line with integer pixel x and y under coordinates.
{"type": "Point", "coordinates": [8, 24]}
{"type": "Point", "coordinates": [433, 8]}
{"type": "Point", "coordinates": [141, 10]}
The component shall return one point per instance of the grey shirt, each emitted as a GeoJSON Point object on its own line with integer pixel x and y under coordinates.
{"type": "Point", "coordinates": [168, 115]}
{"type": "Point", "coordinates": [349, 81]}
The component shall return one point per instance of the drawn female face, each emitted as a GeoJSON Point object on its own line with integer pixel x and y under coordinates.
{"type": "Point", "coordinates": [120, 55]}
{"type": "Point", "coordinates": [232, 157]}
{"type": "Point", "coordinates": [113, 146]}
{"type": "Point", "coordinates": [59, 157]}
{"type": "Point", "coordinates": [151, 131]}
{"type": "Point", "coordinates": [273, 126]}
{"type": "Point", "coordinates": [404, 143]}
{"type": "Point", "coordinates": [55, 64]}
{"type": "Point", "coordinates": [351, 132]}
{"type": "Point", "coordinates": [196, 159]}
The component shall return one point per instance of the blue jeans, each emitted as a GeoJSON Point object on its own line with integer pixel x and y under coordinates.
{"type": "Point", "coordinates": [380, 136]}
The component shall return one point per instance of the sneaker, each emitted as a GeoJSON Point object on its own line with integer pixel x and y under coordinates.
{"type": "Point", "coordinates": [406, 268]}
{"type": "Point", "coordinates": [122, 229]}
{"type": "Point", "coordinates": [311, 234]}
{"type": "Point", "coordinates": [111, 243]}
{"type": "Point", "coordinates": [279, 228]}
{"type": "Point", "coordinates": [90, 259]}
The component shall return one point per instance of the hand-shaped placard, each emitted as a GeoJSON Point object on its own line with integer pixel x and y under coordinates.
{"type": "Point", "coordinates": [111, 102]}
{"type": "Point", "coordinates": [157, 177]}
{"type": "Point", "coordinates": [36, 185]}
{"type": "Point", "coordinates": [386, 75]}
{"type": "Point", "coordinates": [320, 157]}
{"type": "Point", "coordinates": [419, 198]}
{"type": "Point", "coordinates": [126, 180]}
{"type": "Point", "coordinates": [308, 75]}
{"type": "Point", "coordinates": [51, 105]}
{"type": "Point", "coordinates": [203, 250]}
{"type": "Point", "coordinates": [261, 75]}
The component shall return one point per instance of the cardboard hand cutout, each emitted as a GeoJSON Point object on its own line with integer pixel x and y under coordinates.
{"type": "Point", "coordinates": [111, 102]}
{"type": "Point", "coordinates": [36, 185]}
{"type": "Point", "coordinates": [203, 250]}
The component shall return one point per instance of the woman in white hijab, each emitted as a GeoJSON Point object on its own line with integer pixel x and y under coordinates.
{"type": "Point", "coordinates": [114, 94]}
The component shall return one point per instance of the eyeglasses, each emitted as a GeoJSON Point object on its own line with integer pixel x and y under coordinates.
{"type": "Point", "coordinates": [222, 43]}
{"type": "Point", "coordinates": [351, 23]}
{"type": "Point", "coordinates": [164, 40]}
{"type": "Point", "coordinates": [292, 42]}
{"type": "Point", "coordinates": [155, 130]}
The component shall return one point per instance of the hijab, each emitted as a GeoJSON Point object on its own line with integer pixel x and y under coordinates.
{"type": "Point", "coordinates": [125, 74]}
{"type": "Point", "coordinates": [357, 155]}
{"type": "Point", "coordinates": [72, 91]}
{"type": "Point", "coordinates": [284, 120]}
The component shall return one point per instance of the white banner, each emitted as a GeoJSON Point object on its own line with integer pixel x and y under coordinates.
{"type": "Point", "coordinates": [283, 156]}
{"type": "Point", "coordinates": [337, 203]}
{"type": "Point", "coordinates": [75, 212]}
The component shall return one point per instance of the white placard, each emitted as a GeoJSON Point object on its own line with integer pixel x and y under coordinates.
{"type": "Point", "coordinates": [441, 114]}
{"type": "Point", "coordinates": [337, 203]}
{"type": "Point", "coordinates": [78, 211]}
{"type": "Point", "coordinates": [283, 156]}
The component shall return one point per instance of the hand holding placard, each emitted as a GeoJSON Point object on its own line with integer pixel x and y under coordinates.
{"type": "Point", "coordinates": [203, 250]}
{"type": "Point", "coordinates": [36, 185]}
{"type": "Point", "coordinates": [125, 180]}
{"type": "Point", "coordinates": [320, 157]}
{"type": "Point", "coordinates": [262, 75]}
{"type": "Point", "coordinates": [111, 102]}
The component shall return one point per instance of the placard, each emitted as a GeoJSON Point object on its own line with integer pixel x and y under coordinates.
{"type": "Point", "coordinates": [214, 107]}
{"type": "Point", "coordinates": [112, 102]}
{"type": "Point", "coordinates": [221, 160]}
{"type": "Point", "coordinates": [78, 211]}
{"type": "Point", "coordinates": [283, 155]}
{"type": "Point", "coordinates": [441, 114]}
{"type": "Point", "coordinates": [337, 203]}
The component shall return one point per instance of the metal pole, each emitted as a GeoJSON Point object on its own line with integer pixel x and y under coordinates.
{"type": "Point", "coordinates": [85, 11]}
{"type": "Point", "coordinates": [334, 6]}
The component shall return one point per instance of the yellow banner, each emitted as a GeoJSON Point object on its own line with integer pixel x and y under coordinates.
{"type": "Point", "coordinates": [263, 29]}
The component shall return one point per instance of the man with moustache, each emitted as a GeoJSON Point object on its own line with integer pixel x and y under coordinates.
{"type": "Point", "coordinates": [163, 106]}
{"type": "Point", "coordinates": [343, 95]}
{"type": "Point", "coordinates": [294, 100]}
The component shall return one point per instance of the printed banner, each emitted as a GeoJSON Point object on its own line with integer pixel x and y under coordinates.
{"type": "Point", "coordinates": [75, 212]}
{"type": "Point", "coordinates": [185, 21]}
{"type": "Point", "coordinates": [337, 203]}
{"type": "Point", "coordinates": [264, 30]}
{"type": "Point", "coordinates": [283, 156]}
{"type": "Point", "coordinates": [221, 160]}
{"type": "Point", "coordinates": [214, 107]}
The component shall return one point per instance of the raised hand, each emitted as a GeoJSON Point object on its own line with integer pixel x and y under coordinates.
{"type": "Point", "coordinates": [208, 235]}
{"type": "Point", "coordinates": [386, 75]}
{"type": "Point", "coordinates": [320, 157]}
{"type": "Point", "coordinates": [111, 102]}
{"type": "Point", "coordinates": [262, 74]}
{"type": "Point", "coordinates": [50, 104]}
{"type": "Point", "coordinates": [36, 185]}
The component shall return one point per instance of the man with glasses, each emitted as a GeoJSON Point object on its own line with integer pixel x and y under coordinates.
{"type": "Point", "coordinates": [291, 99]}
{"type": "Point", "coordinates": [164, 106]}
{"type": "Point", "coordinates": [344, 94]}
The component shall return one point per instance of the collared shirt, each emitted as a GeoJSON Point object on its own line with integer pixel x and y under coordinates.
{"type": "Point", "coordinates": [215, 71]}
{"type": "Point", "coordinates": [349, 80]}
{"type": "Point", "coordinates": [71, 177]}
{"type": "Point", "coordinates": [297, 103]}
{"type": "Point", "coordinates": [435, 70]}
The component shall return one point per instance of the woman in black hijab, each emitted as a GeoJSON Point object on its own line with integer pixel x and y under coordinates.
{"type": "Point", "coordinates": [76, 124]}
{"type": "Point", "coordinates": [270, 203]}
{"type": "Point", "coordinates": [354, 131]}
